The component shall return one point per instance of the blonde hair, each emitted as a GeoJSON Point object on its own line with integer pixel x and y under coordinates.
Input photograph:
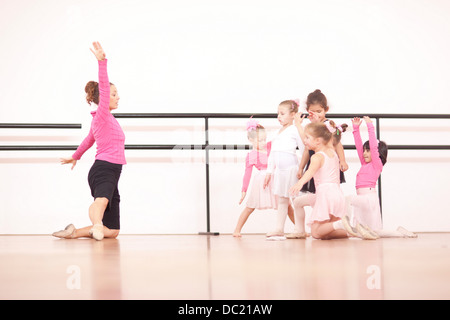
{"type": "Point", "coordinates": [254, 133]}
{"type": "Point", "coordinates": [291, 105]}
{"type": "Point", "coordinates": [321, 130]}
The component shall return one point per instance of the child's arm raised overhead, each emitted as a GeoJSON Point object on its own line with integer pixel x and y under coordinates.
{"type": "Point", "coordinates": [357, 136]}
{"type": "Point", "coordinates": [298, 120]}
{"type": "Point", "coordinates": [373, 144]}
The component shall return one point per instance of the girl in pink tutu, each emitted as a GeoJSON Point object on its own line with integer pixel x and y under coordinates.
{"type": "Point", "coordinates": [259, 197]}
{"type": "Point", "coordinates": [329, 208]}
{"type": "Point", "coordinates": [366, 204]}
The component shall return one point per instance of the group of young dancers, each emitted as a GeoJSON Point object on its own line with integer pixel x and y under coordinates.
{"type": "Point", "coordinates": [280, 178]}
{"type": "Point", "coordinates": [283, 183]}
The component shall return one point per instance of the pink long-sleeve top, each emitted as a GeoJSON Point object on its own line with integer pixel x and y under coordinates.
{"type": "Point", "coordinates": [105, 129]}
{"type": "Point", "coordinates": [368, 174]}
{"type": "Point", "coordinates": [255, 159]}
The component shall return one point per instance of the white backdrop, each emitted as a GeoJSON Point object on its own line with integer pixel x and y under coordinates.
{"type": "Point", "coordinates": [216, 56]}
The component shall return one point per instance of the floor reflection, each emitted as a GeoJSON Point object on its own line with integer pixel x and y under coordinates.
{"type": "Point", "coordinates": [193, 267]}
{"type": "Point", "coordinates": [106, 276]}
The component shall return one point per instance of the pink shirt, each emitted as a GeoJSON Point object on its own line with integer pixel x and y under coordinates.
{"type": "Point", "coordinates": [256, 159]}
{"type": "Point", "coordinates": [368, 174]}
{"type": "Point", "coordinates": [105, 129]}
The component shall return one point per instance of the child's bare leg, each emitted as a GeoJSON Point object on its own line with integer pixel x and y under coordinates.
{"type": "Point", "coordinates": [336, 234]}
{"type": "Point", "coordinates": [241, 221]}
{"type": "Point", "coordinates": [327, 231]}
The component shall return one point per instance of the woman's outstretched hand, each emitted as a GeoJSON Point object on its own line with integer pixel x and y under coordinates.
{"type": "Point", "coordinates": [98, 51]}
{"type": "Point", "coordinates": [68, 161]}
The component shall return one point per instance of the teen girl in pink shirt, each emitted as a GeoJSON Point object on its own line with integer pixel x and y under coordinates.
{"type": "Point", "coordinates": [104, 175]}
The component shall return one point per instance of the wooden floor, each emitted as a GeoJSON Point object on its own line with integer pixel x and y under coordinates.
{"type": "Point", "coordinates": [179, 267]}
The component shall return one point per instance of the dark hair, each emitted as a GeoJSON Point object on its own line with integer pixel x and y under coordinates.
{"type": "Point", "coordinates": [92, 93]}
{"type": "Point", "coordinates": [382, 150]}
{"type": "Point", "coordinates": [317, 97]}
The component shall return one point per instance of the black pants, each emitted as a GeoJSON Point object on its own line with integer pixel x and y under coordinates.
{"type": "Point", "coordinates": [103, 180]}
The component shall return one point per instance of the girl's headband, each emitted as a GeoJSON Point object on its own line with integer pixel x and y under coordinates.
{"type": "Point", "coordinates": [297, 102]}
{"type": "Point", "coordinates": [252, 124]}
{"type": "Point", "coordinates": [333, 129]}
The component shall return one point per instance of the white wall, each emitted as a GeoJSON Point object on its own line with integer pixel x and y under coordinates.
{"type": "Point", "coordinates": [216, 56]}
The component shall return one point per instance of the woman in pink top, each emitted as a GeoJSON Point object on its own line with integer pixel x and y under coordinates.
{"type": "Point", "coordinates": [366, 204]}
{"type": "Point", "coordinates": [104, 175]}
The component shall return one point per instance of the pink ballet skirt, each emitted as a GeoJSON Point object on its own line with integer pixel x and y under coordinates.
{"type": "Point", "coordinates": [258, 197]}
{"type": "Point", "coordinates": [330, 200]}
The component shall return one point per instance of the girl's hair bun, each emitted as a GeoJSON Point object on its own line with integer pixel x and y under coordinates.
{"type": "Point", "coordinates": [317, 97]}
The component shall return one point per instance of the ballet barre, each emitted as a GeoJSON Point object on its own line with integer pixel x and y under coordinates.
{"type": "Point", "coordinates": [206, 146]}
